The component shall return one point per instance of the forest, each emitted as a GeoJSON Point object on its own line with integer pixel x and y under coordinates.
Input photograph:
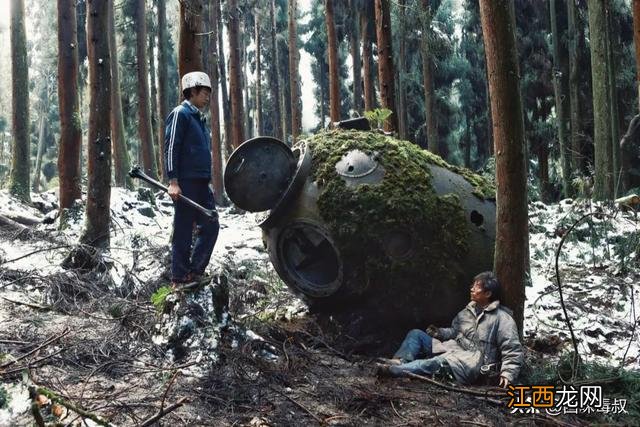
{"type": "Point", "coordinates": [367, 159]}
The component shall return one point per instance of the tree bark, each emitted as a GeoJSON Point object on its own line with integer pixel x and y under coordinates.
{"type": "Point", "coordinates": [214, 108]}
{"type": "Point", "coordinates": [258, 39]}
{"type": "Point", "coordinates": [294, 58]}
{"type": "Point", "coordinates": [275, 77]}
{"type": "Point", "coordinates": [190, 45]}
{"type": "Point", "coordinates": [385, 63]}
{"type": "Point", "coordinates": [332, 48]}
{"type": "Point", "coordinates": [603, 186]}
{"type": "Point", "coordinates": [96, 232]}
{"type": "Point", "coordinates": [511, 252]}
{"type": "Point", "coordinates": [367, 61]}
{"type": "Point", "coordinates": [235, 87]}
{"type": "Point", "coordinates": [35, 185]}
{"type": "Point", "coordinates": [618, 188]}
{"type": "Point", "coordinates": [144, 116]}
{"type": "Point", "coordinates": [153, 98]}
{"type": "Point", "coordinates": [244, 80]}
{"type": "Point", "coordinates": [636, 41]}
{"type": "Point", "coordinates": [20, 161]}
{"type": "Point", "coordinates": [559, 98]}
{"type": "Point", "coordinates": [574, 94]}
{"type": "Point", "coordinates": [226, 105]}
{"type": "Point", "coordinates": [70, 132]}
{"type": "Point", "coordinates": [402, 55]}
{"type": "Point", "coordinates": [427, 76]}
{"type": "Point", "coordinates": [354, 46]}
{"type": "Point", "coordinates": [163, 81]}
{"type": "Point", "coordinates": [121, 163]}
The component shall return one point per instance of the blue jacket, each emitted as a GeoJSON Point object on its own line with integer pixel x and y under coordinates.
{"type": "Point", "coordinates": [187, 148]}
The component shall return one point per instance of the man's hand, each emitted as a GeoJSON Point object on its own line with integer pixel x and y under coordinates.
{"type": "Point", "coordinates": [504, 383]}
{"type": "Point", "coordinates": [432, 330]}
{"type": "Point", "coordinates": [174, 190]}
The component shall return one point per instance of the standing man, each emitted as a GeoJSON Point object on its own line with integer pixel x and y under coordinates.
{"type": "Point", "coordinates": [187, 150]}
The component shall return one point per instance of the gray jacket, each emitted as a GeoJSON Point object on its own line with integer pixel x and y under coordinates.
{"type": "Point", "coordinates": [476, 340]}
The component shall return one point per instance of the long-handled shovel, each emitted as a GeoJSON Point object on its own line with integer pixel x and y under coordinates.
{"type": "Point", "coordinates": [136, 172]}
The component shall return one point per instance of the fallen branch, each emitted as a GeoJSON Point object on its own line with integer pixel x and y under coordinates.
{"type": "Point", "coordinates": [298, 404]}
{"type": "Point", "coordinates": [162, 412]}
{"type": "Point", "coordinates": [28, 304]}
{"type": "Point", "coordinates": [486, 393]}
{"type": "Point", "coordinates": [33, 364]}
{"type": "Point", "coordinates": [44, 344]}
{"type": "Point", "coordinates": [83, 413]}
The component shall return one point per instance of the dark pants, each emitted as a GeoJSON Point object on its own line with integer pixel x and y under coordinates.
{"type": "Point", "coordinates": [183, 261]}
{"type": "Point", "coordinates": [416, 355]}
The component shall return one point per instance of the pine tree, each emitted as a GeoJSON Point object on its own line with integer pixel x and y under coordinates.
{"type": "Point", "coordinates": [385, 63]}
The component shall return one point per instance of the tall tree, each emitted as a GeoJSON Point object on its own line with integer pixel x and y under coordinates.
{"type": "Point", "coordinates": [144, 116]}
{"type": "Point", "coordinates": [156, 143]}
{"type": "Point", "coordinates": [294, 58]}
{"type": "Point", "coordinates": [214, 108]}
{"type": "Point", "coordinates": [226, 105]}
{"type": "Point", "coordinates": [19, 184]}
{"type": "Point", "coordinates": [163, 79]}
{"type": "Point", "coordinates": [275, 79]}
{"type": "Point", "coordinates": [511, 252]}
{"type": "Point", "coordinates": [70, 132]}
{"type": "Point", "coordinates": [427, 78]}
{"type": "Point", "coordinates": [96, 231]}
{"type": "Point", "coordinates": [367, 58]}
{"type": "Point", "coordinates": [120, 153]}
{"type": "Point", "coordinates": [385, 63]}
{"type": "Point", "coordinates": [42, 128]}
{"type": "Point", "coordinates": [190, 49]}
{"type": "Point", "coordinates": [574, 93]}
{"type": "Point", "coordinates": [560, 99]}
{"type": "Point", "coordinates": [636, 41]}
{"type": "Point", "coordinates": [613, 99]}
{"type": "Point", "coordinates": [258, 40]}
{"type": "Point", "coordinates": [235, 79]}
{"type": "Point", "coordinates": [354, 47]}
{"type": "Point", "coordinates": [332, 47]}
{"type": "Point", "coordinates": [402, 61]}
{"type": "Point", "coordinates": [603, 185]}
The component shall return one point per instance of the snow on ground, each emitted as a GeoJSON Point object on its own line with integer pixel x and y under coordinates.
{"type": "Point", "coordinates": [598, 267]}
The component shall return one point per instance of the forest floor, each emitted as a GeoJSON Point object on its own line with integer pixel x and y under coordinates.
{"type": "Point", "coordinates": [243, 350]}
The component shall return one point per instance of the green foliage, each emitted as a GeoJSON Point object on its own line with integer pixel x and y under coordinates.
{"type": "Point", "coordinates": [159, 297]}
{"type": "Point", "coordinates": [377, 117]}
{"type": "Point", "coordinates": [4, 397]}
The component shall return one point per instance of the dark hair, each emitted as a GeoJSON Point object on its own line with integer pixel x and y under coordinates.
{"type": "Point", "coordinates": [188, 93]}
{"type": "Point", "coordinates": [489, 283]}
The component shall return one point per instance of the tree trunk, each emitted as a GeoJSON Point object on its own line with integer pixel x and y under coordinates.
{"type": "Point", "coordinates": [153, 104]}
{"type": "Point", "coordinates": [367, 61]}
{"type": "Point", "coordinates": [190, 45]}
{"type": "Point", "coordinates": [636, 41]}
{"type": "Point", "coordinates": [35, 185]}
{"type": "Point", "coordinates": [214, 107]}
{"type": "Point", "coordinates": [120, 153]}
{"type": "Point", "coordinates": [144, 116]}
{"type": "Point", "coordinates": [574, 94]}
{"type": "Point", "coordinates": [618, 188]}
{"type": "Point", "coordinates": [559, 97]}
{"type": "Point", "coordinates": [235, 88]}
{"type": "Point", "coordinates": [385, 63]}
{"type": "Point", "coordinates": [163, 81]}
{"type": "Point", "coordinates": [278, 132]}
{"type": "Point", "coordinates": [603, 186]}
{"type": "Point", "coordinates": [293, 70]}
{"type": "Point", "coordinates": [96, 232]}
{"type": "Point", "coordinates": [402, 55]}
{"type": "Point", "coordinates": [332, 48]}
{"type": "Point", "coordinates": [20, 161]}
{"type": "Point", "coordinates": [511, 252]}
{"type": "Point", "coordinates": [354, 46]}
{"type": "Point", "coordinates": [244, 81]}
{"type": "Point", "coordinates": [427, 76]}
{"type": "Point", "coordinates": [226, 105]}
{"type": "Point", "coordinates": [258, 119]}
{"type": "Point", "coordinates": [70, 132]}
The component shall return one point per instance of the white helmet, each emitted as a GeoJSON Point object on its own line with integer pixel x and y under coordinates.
{"type": "Point", "coordinates": [195, 78]}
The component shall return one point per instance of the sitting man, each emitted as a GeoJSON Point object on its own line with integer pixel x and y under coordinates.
{"type": "Point", "coordinates": [482, 339]}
